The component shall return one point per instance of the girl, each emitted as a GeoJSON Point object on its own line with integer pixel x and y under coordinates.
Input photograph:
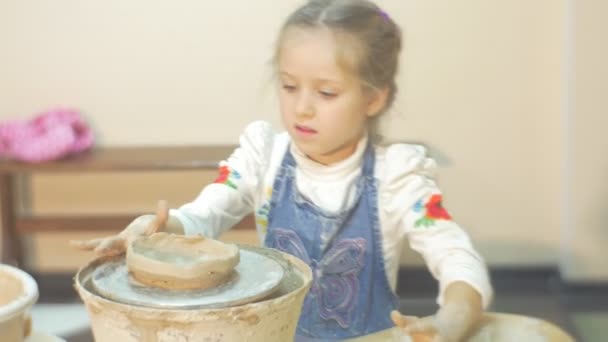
{"type": "Point", "coordinates": [327, 193]}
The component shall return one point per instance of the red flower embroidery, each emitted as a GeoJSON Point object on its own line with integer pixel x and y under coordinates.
{"type": "Point", "coordinates": [227, 176]}
{"type": "Point", "coordinates": [224, 173]}
{"type": "Point", "coordinates": [433, 211]}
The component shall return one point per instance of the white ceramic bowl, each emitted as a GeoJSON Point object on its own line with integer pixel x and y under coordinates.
{"type": "Point", "coordinates": [14, 317]}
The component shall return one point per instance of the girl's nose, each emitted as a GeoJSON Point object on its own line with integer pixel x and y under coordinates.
{"type": "Point", "coordinates": [304, 107]}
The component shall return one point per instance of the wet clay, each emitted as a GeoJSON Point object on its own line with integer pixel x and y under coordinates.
{"type": "Point", "coordinates": [11, 288]}
{"type": "Point", "coordinates": [175, 283]}
{"type": "Point", "coordinates": [180, 262]}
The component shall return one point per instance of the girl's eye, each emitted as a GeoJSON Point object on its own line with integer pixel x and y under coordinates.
{"type": "Point", "coordinates": [328, 94]}
{"type": "Point", "coordinates": [289, 88]}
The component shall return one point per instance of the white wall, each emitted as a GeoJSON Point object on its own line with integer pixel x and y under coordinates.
{"type": "Point", "coordinates": [482, 84]}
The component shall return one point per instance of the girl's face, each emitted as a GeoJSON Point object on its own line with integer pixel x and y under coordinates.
{"type": "Point", "coordinates": [323, 107]}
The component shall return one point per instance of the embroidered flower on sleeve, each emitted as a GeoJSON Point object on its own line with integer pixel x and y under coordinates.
{"type": "Point", "coordinates": [228, 177]}
{"type": "Point", "coordinates": [433, 211]}
{"type": "Point", "coordinates": [261, 217]}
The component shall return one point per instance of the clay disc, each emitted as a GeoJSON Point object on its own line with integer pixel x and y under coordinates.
{"type": "Point", "coordinates": [255, 277]}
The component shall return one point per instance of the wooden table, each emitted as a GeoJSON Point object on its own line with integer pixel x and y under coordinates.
{"type": "Point", "coordinates": [111, 159]}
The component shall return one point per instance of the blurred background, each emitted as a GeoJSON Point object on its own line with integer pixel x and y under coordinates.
{"type": "Point", "coordinates": [509, 96]}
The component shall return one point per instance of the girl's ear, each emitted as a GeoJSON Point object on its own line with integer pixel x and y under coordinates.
{"type": "Point", "coordinates": [377, 101]}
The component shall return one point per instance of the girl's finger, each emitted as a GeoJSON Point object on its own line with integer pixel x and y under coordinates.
{"type": "Point", "coordinates": [419, 329]}
{"type": "Point", "coordinates": [111, 246]}
{"type": "Point", "coordinates": [424, 325]}
{"type": "Point", "coordinates": [162, 215]}
{"type": "Point", "coordinates": [400, 320]}
{"type": "Point", "coordinates": [87, 245]}
{"type": "Point", "coordinates": [422, 337]}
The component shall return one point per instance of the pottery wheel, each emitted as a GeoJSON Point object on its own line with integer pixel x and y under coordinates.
{"type": "Point", "coordinates": [255, 277]}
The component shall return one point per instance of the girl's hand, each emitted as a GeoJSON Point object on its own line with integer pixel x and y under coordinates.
{"type": "Point", "coordinates": [454, 322]}
{"type": "Point", "coordinates": [405, 321]}
{"type": "Point", "coordinates": [117, 244]}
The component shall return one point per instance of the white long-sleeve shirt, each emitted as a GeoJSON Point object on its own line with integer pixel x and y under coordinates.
{"type": "Point", "coordinates": [406, 192]}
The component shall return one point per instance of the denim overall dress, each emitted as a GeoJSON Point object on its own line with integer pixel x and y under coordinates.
{"type": "Point", "coordinates": [350, 295]}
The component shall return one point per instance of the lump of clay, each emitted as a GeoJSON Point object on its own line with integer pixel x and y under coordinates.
{"type": "Point", "coordinates": [180, 262]}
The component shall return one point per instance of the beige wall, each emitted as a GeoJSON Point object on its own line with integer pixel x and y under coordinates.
{"type": "Point", "coordinates": [586, 222]}
{"type": "Point", "coordinates": [482, 84]}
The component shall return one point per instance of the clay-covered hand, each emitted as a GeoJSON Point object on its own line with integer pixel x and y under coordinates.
{"type": "Point", "coordinates": [402, 322]}
{"type": "Point", "coordinates": [117, 244]}
{"type": "Point", "coordinates": [453, 322]}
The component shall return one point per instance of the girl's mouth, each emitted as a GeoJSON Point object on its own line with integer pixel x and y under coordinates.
{"type": "Point", "coordinates": [305, 131]}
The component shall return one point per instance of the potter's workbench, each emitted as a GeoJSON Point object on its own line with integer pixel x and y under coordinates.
{"type": "Point", "coordinates": [111, 159]}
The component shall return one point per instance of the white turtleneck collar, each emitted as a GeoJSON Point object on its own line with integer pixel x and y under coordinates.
{"type": "Point", "coordinates": [320, 172]}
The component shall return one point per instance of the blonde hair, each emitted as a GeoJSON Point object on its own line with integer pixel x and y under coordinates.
{"type": "Point", "coordinates": [366, 33]}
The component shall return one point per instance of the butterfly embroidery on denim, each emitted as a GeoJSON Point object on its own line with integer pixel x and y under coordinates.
{"type": "Point", "coordinates": [335, 285]}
